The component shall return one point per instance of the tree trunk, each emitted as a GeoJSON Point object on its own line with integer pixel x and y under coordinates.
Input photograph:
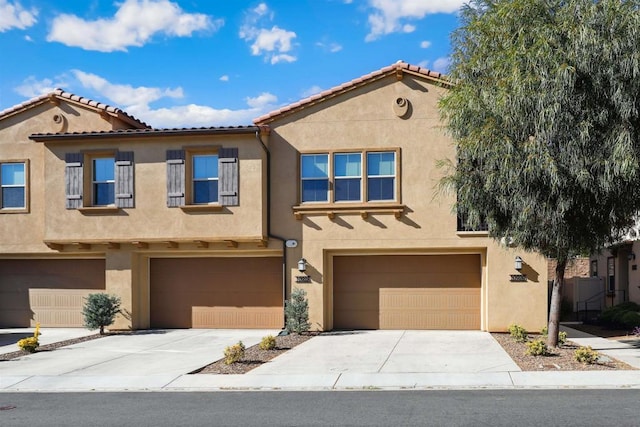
{"type": "Point", "coordinates": [556, 303]}
{"type": "Point", "coordinates": [101, 330]}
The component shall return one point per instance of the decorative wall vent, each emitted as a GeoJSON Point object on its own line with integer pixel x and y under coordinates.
{"type": "Point", "coordinates": [401, 107]}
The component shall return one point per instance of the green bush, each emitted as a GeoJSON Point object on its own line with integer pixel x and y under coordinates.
{"type": "Point", "coordinates": [296, 311]}
{"type": "Point", "coordinates": [234, 353]}
{"type": "Point", "coordinates": [100, 310]}
{"type": "Point", "coordinates": [518, 333]}
{"type": "Point", "coordinates": [624, 315]}
{"type": "Point", "coordinates": [268, 343]}
{"type": "Point", "coordinates": [586, 355]}
{"type": "Point", "coordinates": [537, 348]}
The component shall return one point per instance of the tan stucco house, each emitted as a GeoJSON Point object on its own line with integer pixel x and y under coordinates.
{"type": "Point", "coordinates": [210, 227]}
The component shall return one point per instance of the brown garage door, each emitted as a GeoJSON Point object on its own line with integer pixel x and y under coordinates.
{"type": "Point", "coordinates": [216, 293]}
{"type": "Point", "coordinates": [406, 292]}
{"type": "Point", "coordinates": [50, 292]}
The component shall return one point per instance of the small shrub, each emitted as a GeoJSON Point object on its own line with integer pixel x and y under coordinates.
{"type": "Point", "coordinates": [30, 344]}
{"type": "Point", "coordinates": [636, 331]}
{"type": "Point", "coordinates": [518, 333]}
{"type": "Point", "coordinates": [100, 310]}
{"type": "Point", "coordinates": [586, 355]}
{"type": "Point", "coordinates": [562, 338]}
{"type": "Point", "coordinates": [537, 348]}
{"type": "Point", "coordinates": [234, 353]}
{"type": "Point", "coordinates": [268, 343]}
{"type": "Point", "coordinates": [296, 311]}
{"type": "Point", "coordinates": [544, 331]}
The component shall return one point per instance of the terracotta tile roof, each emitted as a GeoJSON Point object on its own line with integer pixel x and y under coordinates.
{"type": "Point", "coordinates": [41, 137]}
{"type": "Point", "coordinates": [398, 67]}
{"type": "Point", "coordinates": [70, 97]}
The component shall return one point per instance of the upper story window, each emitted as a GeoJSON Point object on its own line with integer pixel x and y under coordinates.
{"type": "Point", "coordinates": [315, 177]}
{"type": "Point", "coordinates": [202, 176]}
{"type": "Point", "coordinates": [338, 177]}
{"type": "Point", "coordinates": [348, 177]}
{"type": "Point", "coordinates": [13, 186]}
{"type": "Point", "coordinates": [103, 181]}
{"type": "Point", "coordinates": [381, 176]}
{"type": "Point", "coordinates": [205, 178]}
{"type": "Point", "coordinates": [107, 182]}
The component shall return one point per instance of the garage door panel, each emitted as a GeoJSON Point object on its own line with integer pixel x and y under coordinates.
{"type": "Point", "coordinates": [407, 291]}
{"type": "Point", "coordinates": [216, 293]}
{"type": "Point", "coordinates": [47, 291]}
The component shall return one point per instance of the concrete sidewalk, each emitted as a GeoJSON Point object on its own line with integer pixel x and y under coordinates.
{"type": "Point", "coordinates": [376, 371]}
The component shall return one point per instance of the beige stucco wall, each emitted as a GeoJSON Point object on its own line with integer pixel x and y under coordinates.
{"type": "Point", "coordinates": [364, 119]}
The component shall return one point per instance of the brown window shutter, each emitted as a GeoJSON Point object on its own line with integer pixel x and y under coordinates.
{"type": "Point", "coordinates": [124, 185]}
{"type": "Point", "coordinates": [175, 178]}
{"type": "Point", "coordinates": [228, 184]}
{"type": "Point", "coordinates": [73, 178]}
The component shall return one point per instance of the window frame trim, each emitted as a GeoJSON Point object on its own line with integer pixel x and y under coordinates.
{"type": "Point", "coordinates": [331, 203]}
{"type": "Point", "coordinates": [189, 153]}
{"type": "Point", "coordinates": [27, 206]}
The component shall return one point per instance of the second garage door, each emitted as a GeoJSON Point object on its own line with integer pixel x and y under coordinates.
{"type": "Point", "coordinates": [407, 292]}
{"type": "Point", "coordinates": [216, 293]}
{"type": "Point", "coordinates": [50, 292]}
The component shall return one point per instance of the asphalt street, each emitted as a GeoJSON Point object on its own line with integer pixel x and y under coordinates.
{"type": "Point", "coordinates": [337, 408]}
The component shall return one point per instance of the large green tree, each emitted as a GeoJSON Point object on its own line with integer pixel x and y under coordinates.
{"type": "Point", "coordinates": [545, 112]}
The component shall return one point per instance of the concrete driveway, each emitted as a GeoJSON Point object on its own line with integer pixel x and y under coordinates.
{"type": "Point", "coordinates": [157, 356]}
{"type": "Point", "coordinates": [393, 352]}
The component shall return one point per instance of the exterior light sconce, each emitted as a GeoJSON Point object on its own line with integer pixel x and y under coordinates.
{"type": "Point", "coordinates": [518, 263]}
{"type": "Point", "coordinates": [631, 256]}
{"type": "Point", "coordinates": [302, 267]}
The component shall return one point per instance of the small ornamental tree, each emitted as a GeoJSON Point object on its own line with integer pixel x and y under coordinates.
{"type": "Point", "coordinates": [100, 310]}
{"type": "Point", "coordinates": [296, 311]}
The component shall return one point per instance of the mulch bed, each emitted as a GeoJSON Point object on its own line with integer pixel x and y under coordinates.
{"type": "Point", "coordinates": [559, 359]}
{"type": "Point", "coordinates": [254, 356]}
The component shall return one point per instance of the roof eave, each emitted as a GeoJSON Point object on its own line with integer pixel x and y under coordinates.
{"type": "Point", "coordinates": [142, 133]}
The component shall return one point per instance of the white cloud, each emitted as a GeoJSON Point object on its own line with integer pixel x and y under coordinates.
{"type": "Point", "coordinates": [138, 102]}
{"type": "Point", "coordinates": [262, 100]}
{"type": "Point", "coordinates": [329, 47]}
{"type": "Point", "coordinates": [13, 15]}
{"type": "Point", "coordinates": [125, 95]}
{"type": "Point", "coordinates": [311, 91]}
{"type": "Point", "coordinates": [274, 43]}
{"type": "Point", "coordinates": [441, 65]}
{"type": "Point", "coordinates": [388, 15]}
{"type": "Point", "coordinates": [224, 78]}
{"type": "Point", "coordinates": [31, 87]}
{"type": "Point", "coordinates": [425, 44]}
{"type": "Point", "coordinates": [134, 24]}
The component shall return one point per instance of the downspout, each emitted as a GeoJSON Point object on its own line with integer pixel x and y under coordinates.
{"type": "Point", "coordinates": [282, 239]}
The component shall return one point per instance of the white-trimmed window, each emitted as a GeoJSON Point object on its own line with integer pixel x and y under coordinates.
{"type": "Point", "coordinates": [381, 176]}
{"type": "Point", "coordinates": [205, 178]}
{"type": "Point", "coordinates": [13, 186]}
{"type": "Point", "coordinates": [347, 177]}
{"type": "Point", "coordinates": [315, 177]}
{"type": "Point", "coordinates": [339, 177]}
{"type": "Point", "coordinates": [103, 181]}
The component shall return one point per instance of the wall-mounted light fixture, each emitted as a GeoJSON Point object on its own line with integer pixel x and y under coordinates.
{"type": "Point", "coordinates": [631, 256]}
{"type": "Point", "coordinates": [518, 263]}
{"type": "Point", "coordinates": [302, 265]}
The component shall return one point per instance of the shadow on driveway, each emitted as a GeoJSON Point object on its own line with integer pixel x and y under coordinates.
{"type": "Point", "coordinates": [9, 338]}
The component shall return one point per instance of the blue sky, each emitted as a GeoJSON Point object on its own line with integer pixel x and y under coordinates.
{"type": "Point", "coordinates": [184, 63]}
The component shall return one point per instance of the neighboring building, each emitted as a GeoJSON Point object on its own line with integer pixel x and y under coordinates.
{"type": "Point", "coordinates": [206, 227]}
{"type": "Point", "coordinates": [618, 268]}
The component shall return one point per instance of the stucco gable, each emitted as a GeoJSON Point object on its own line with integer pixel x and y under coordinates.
{"type": "Point", "coordinates": [58, 95]}
{"type": "Point", "coordinates": [399, 68]}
